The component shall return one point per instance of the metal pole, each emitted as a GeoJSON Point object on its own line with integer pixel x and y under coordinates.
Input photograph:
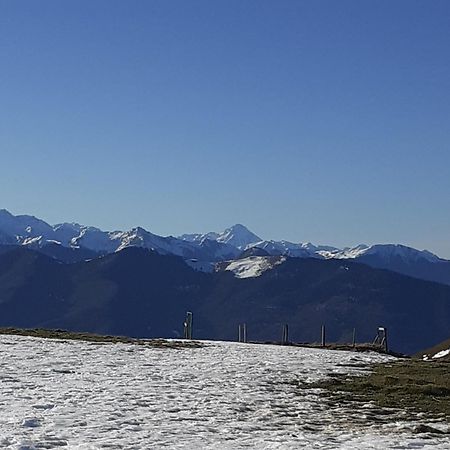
{"type": "Point", "coordinates": [323, 335]}
{"type": "Point", "coordinates": [285, 335]}
{"type": "Point", "coordinates": [188, 325]}
{"type": "Point", "coordinates": [245, 332]}
{"type": "Point", "coordinates": [354, 337]}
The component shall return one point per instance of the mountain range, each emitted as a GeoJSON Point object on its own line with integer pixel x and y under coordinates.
{"type": "Point", "coordinates": [137, 283]}
{"type": "Point", "coordinates": [141, 293]}
{"type": "Point", "coordinates": [72, 242]}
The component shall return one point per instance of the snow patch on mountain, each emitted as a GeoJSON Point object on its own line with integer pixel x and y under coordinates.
{"type": "Point", "coordinates": [284, 248]}
{"type": "Point", "coordinates": [198, 237]}
{"type": "Point", "coordinates": [346, 253]}
{"type": "Point", "coordinates": [441, 354]}
{"type": "Point", "coordinates": [300, 250]}
{"type": "Point", "coordinates": [253, 266]}
{"type": "Point", "coordinates": [32, 241]}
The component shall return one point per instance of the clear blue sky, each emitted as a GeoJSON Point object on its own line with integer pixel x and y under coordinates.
{"type": "Point", "coordinates": [322, 121]}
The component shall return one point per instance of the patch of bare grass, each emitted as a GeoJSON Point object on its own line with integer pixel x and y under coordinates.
{"type": "Point", "coordinates": [98, 338]}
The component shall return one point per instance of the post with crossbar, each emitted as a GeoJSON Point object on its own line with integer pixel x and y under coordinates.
{"type": "Point", "coordinates": [381, 338]}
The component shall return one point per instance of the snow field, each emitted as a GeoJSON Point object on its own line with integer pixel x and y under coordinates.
{"type": "Point", "coordinates": [79, 395]}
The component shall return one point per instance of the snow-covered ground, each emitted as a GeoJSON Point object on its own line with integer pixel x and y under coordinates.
{"type": "Point", "coordinates": [78, 395]}
{"type": "Point", "coordinates": [442, 353]}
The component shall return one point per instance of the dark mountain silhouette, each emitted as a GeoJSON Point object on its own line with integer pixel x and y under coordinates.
{"type": "Point", "coordinates": [68, 254]}
{"type": "Point", "coordinates": [420, 268]}
{"type": "Point", "coordinates": [57, 251]}
{"type": "Point", "coordinates": [137, 292]}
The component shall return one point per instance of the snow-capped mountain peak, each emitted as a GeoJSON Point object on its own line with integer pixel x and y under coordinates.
{"type": "Point", "coordinates": [238, 236]}
{"type": "Point", "coordinates": [204, 250]}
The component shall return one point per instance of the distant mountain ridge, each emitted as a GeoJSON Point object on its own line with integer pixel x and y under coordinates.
{"type": "Point", "coordinates": [34, 233]}
{"type": "Point", "coordinates": [71, 242]}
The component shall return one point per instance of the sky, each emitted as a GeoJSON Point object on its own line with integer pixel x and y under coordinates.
{"type": "Point", "coordinates": [318, 121]}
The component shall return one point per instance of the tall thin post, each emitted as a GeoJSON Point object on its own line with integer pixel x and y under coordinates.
{"type": "Point", "coordinates": [354, 338]}
{"type": "Point", "coordinates": [285, 335]}
{"type": "Point", "coordinates": [191, 319]}
{"type": "Point", "coordinates": [242, 332]}
{"type": "Point", "coordinates": [323, 336]}
{"type": "Point", "coordinates": [188, 325]}
{"type": "Point", "coordinates": [385, 342]}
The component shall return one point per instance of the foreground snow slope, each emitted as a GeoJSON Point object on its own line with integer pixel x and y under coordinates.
{"type": "Point", "coordinates": [58, 394]}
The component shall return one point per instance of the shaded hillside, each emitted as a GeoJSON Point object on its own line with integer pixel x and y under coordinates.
{"type": "Point", "coordinates": [134, 292]}
{"type": "Point", "coordinates": [308, 292]}
{"type": "Point", "coordinates": [140, 293]}
{"type": "Point", "coordinates": [421, 268]}
{"type": "Point", "coordinates": [68, 254]}
{"type": "Point", "coordinates": [56, 251]}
